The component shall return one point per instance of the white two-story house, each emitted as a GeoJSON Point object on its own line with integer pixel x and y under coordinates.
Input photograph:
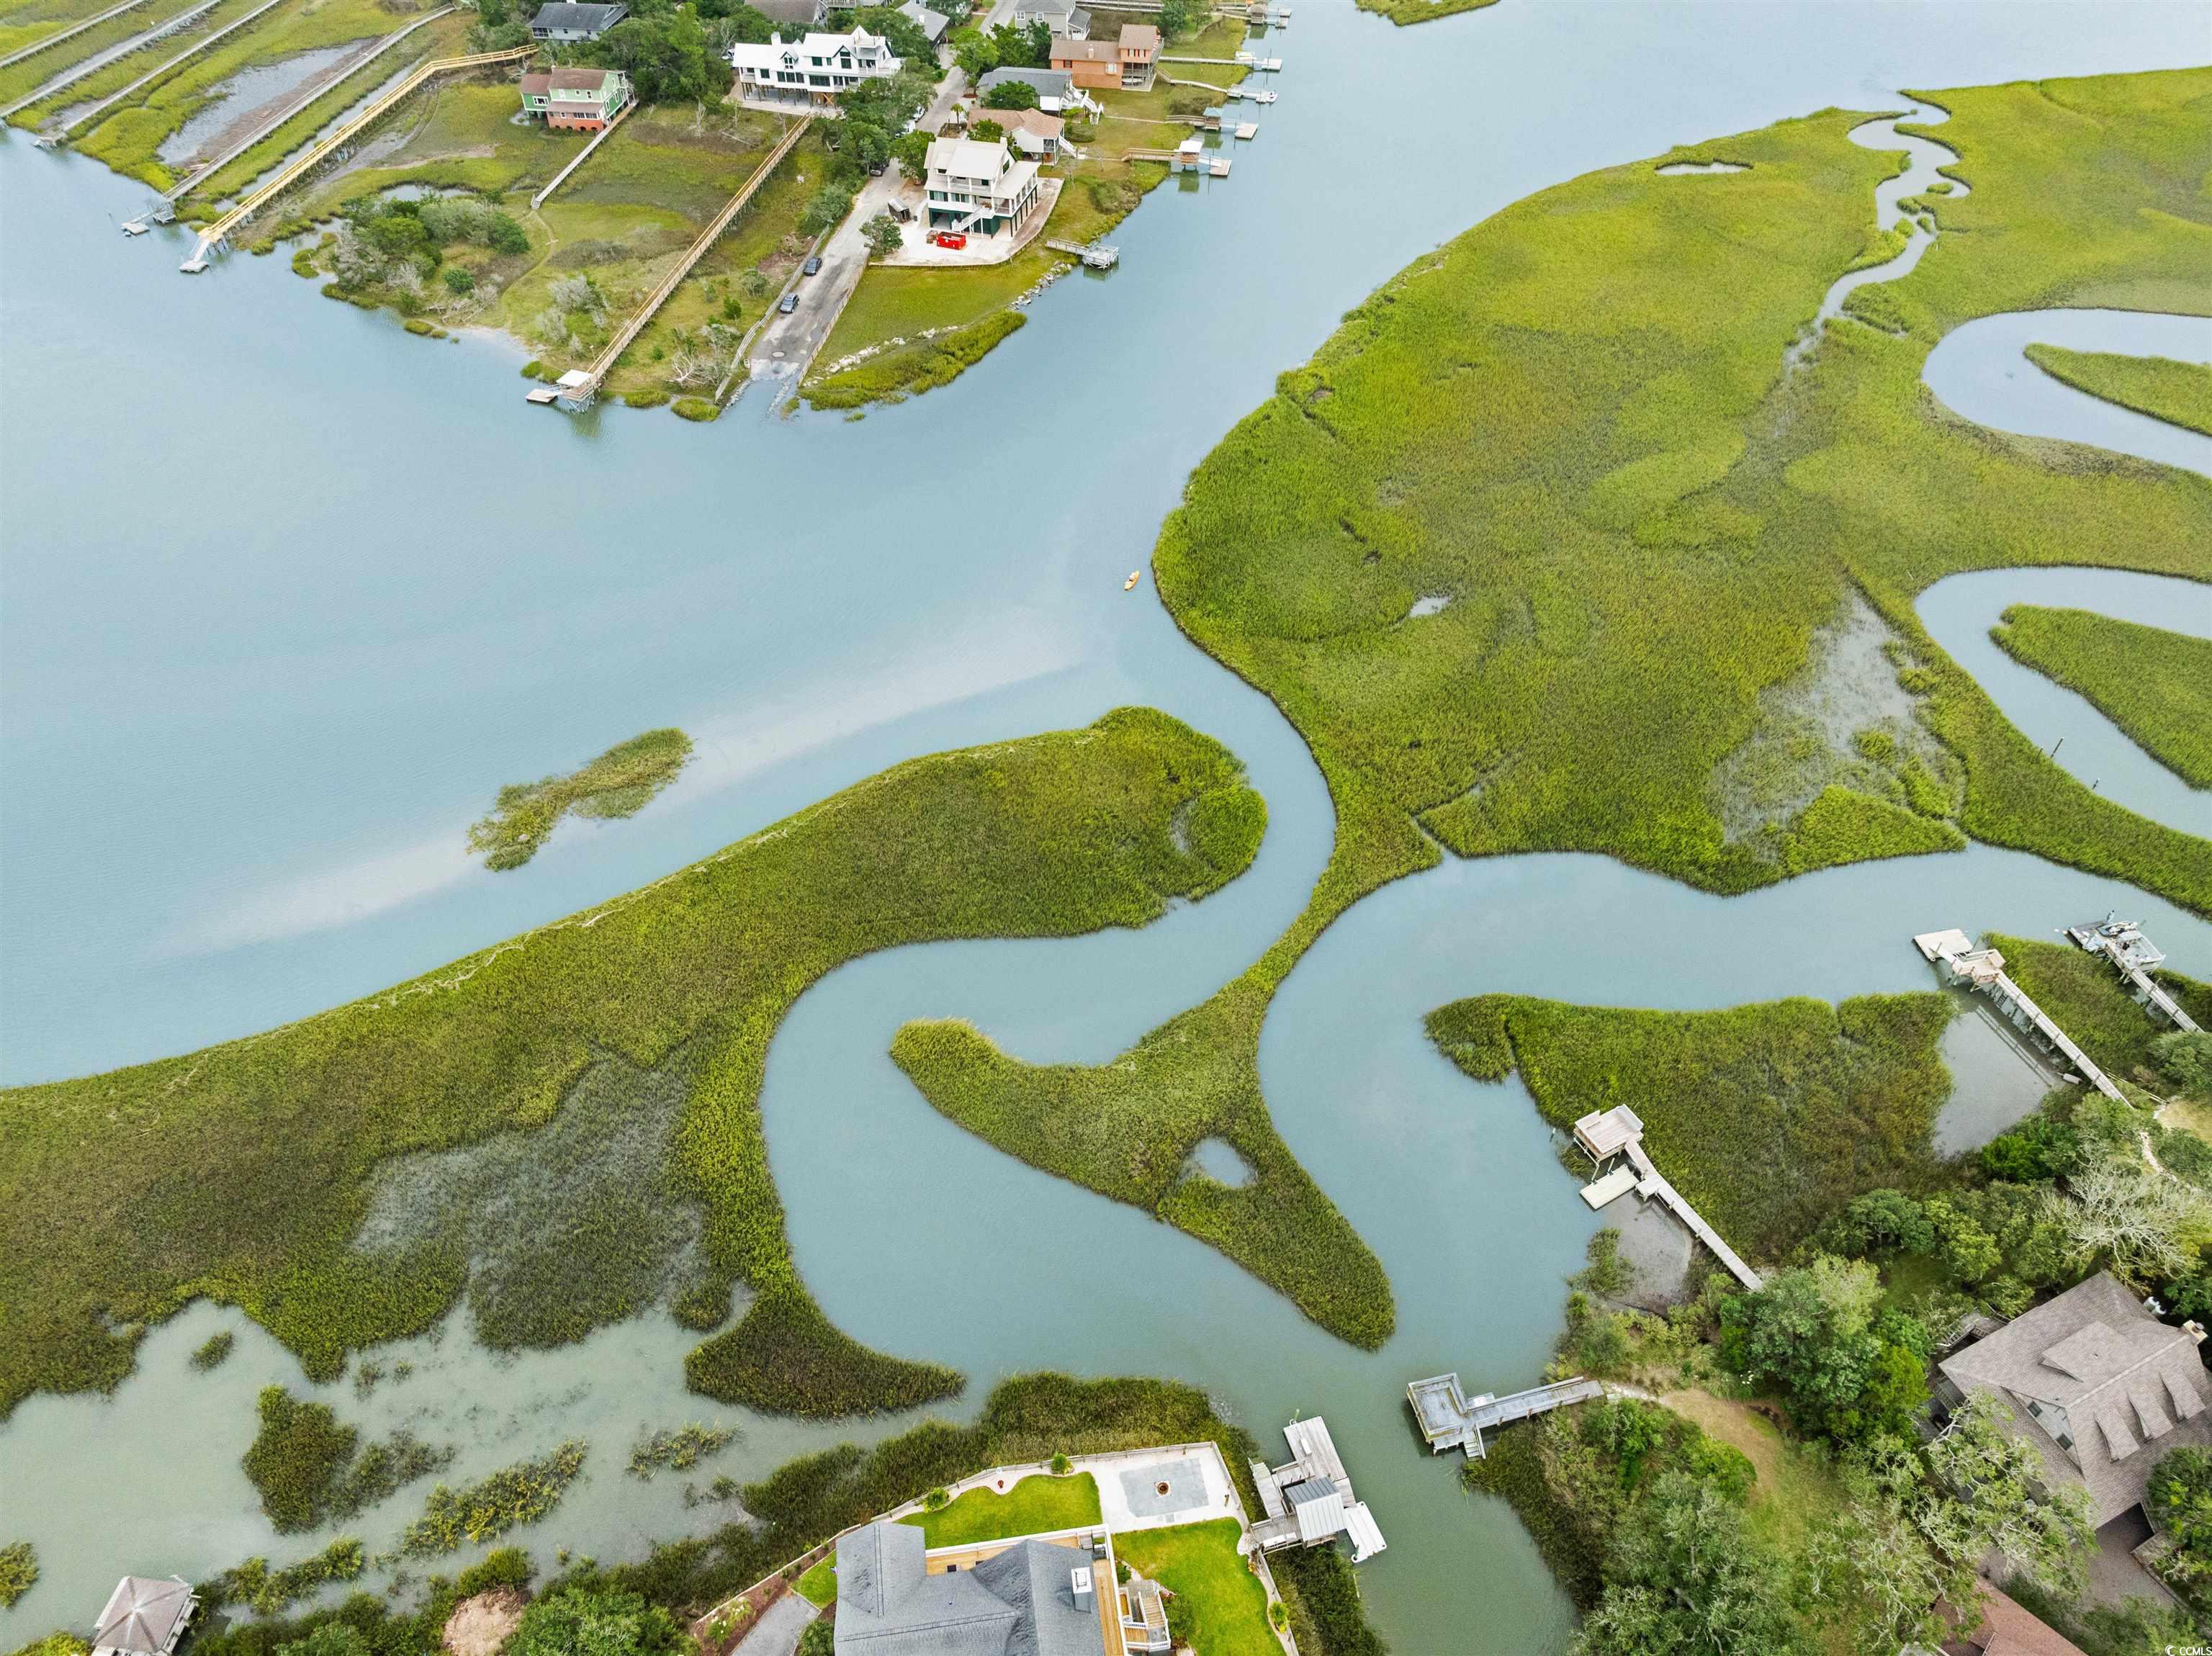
{"type": "Point", "coordinates": [978, 188]}
{"type": "Point", "coordinates": [810, 70]}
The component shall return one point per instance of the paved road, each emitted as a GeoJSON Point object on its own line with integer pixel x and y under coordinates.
{"type": "Point", "coordinates": [786, 347]}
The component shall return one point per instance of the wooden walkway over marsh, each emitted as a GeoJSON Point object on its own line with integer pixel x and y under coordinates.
{"type": "Point", "coordinates": [1983, 970]}
{"type": "Point", "coordinates": [1449, 1419]}
{"type": "Point", "coordinates": [218, 233]}
{"type": "Point", "coordinates": [580, 386]}
{"type": "Point", "coordinates": [317, 87]}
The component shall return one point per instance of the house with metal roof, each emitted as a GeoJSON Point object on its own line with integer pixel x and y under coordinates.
{"type": "Point", "coordinates": [976, 187]}
{"type": "Point", "coordinates": [145, 1617]}
{"type": "Point", "coordinates": [561, 20]}
{"type": "Point", "coordinates": [1308, 1499]}
{"type": "Point", "coordinates": [933, 24]}
{"type": "Point", "coordinates": [1032, 1598]}
{"type": "Point", "coordinates": [1056, 90]}
{"type": "Point", "coordinates": [2098, 1386]}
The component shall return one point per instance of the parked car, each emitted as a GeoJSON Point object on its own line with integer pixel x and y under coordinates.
{"type": "Point", "coordinates": [790, 303]}
{"type": "Point", "coordinates": [952, 239]}
{"type": "Point", "coordinates": [812, 267]}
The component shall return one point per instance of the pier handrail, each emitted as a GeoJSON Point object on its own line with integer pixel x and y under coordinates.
{"type": "Point", "coordinates": [177, 192]}
{"type": "Point", "coordinates": [69, 33]}
{"type": "Point", "coordinates": [624, 338]}
{"type": "Point", "coordinates": [316, 154]}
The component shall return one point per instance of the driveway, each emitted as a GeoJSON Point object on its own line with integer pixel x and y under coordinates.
{"type": "Point", "coordinates": [787, 347]}
{"type": "Point", "coordinates": [783, 350]}
{"type": "Point", "coordinates": [777, 1632]}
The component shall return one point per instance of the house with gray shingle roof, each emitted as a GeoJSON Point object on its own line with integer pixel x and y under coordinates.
{"type": "Point", "coordinates": [1034, 1599]}
{"type": "Point", "coordinates": [2098, 1385]}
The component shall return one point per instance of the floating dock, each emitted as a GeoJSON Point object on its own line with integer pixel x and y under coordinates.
{"type": "Point", "coordinates": [1983, 970]}
{"type": "Point", "coordinates": [1098, 255]}
{"type": "Point", "coordinates": [1452, 1420]}
{"type": "Point", "coordinates": [1309, 1501]}
{"type": "Point", "coordinates": [2134, 957]}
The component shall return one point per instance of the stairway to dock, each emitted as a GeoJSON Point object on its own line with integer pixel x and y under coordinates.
{"type": "Point", "coordinates": [1449, 1419]}
{"type": "Point", "coordinates": [2134, 957]}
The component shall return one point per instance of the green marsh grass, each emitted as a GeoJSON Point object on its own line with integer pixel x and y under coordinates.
{"type": "Point", "coordinates": [309, 1467]}
{"type": "Point", "coordinates": [1402, 12]}
{"type": "Point", "coordinates": [18, 1571]}
{"type": "Point", "coordinates": [1642, 524]}
{"type": "Point", "coordinates": [489, 1507]}
{"type": "Point", "coordinates": [620, 782]}
{"type": "Point", "coordinates": [2179, 393]}
{"type": "Point", "coordinates": [2086, 998]}
{"type": "Point", "coordinates": [2155, 685]}
{"type": "Point", "coordinates": [1768, 1118]}
{"type": "Point", "coordinates": [808, 1500]}
{"type": "Point", "coordinates": [244, 1172]}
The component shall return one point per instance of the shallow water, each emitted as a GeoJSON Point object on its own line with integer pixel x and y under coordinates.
{"type": "Point", "coordinates": [246, 91]}
{"type": "Point", "coordinates": [1959, 612]}
{"type": "Point", "coordinates": [1979, 373]}
{"type": "Point", "coordinates": [243, 737]}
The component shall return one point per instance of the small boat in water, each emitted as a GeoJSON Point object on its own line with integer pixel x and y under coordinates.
{"type": "Point", "coordinates": [1130, 584]}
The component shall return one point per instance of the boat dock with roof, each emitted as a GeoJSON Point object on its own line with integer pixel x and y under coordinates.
{"type": "Point", "coordinates": [1984, 969]}
{"type": "Point", "coordinates": [2134, 957]}
{"type": "Point", "coordinates": [1308, 1499]}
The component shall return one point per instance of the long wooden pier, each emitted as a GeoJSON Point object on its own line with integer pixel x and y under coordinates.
{"type": "Point", "coordinates": [580, 386]}
{"type": "Point", "coordinates": [583, 155]}
{"type": "Point", "coordinates": [1449, 1419]}
{"type": "Point", "coordinates": [85, 68]}
{"type": "Point", "coordinates": [217, 234]}
{"type": "Point", "coordinates": [320, 88]}
{"type": "Point", "coordinates": [2134, 957]}
{"type": "Point", "coordinates": [86, 117]}
{"type": "Point", "coordinates": [1984, 969]}
{"type": "Point", "coordinates": [69, 33]}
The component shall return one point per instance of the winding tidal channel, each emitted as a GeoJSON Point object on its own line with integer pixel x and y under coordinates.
{"type": "Point", "coordinates": [289, 594]}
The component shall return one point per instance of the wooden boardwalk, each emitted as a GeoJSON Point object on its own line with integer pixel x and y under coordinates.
{"type": "Point", "coordinates": [69, 33]}
{"type": "Point", "coordinates": [2134, 957]}
{"type": "Point", "coordinates": [1984, 969]}
{"type": "Point", "coordinates": [86, 67]}
{"type": "Point", "coordinates": [217, 234]}
{"type": "Point", "coordinates": [199, 174]}
{"type": "Point", "coordinates": [1449, 1419]}
{"type": "Point", "coordinates": [579, 391]}
{"type": "Point", "coordinates": [583, 155]}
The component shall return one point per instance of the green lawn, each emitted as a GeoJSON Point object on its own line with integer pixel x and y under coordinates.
{"type": "Point", "coordinates": [818, 1586]}
{"type": "Point", "coordinates": [2178, 392]}
{"type": "Point", "coordinates": [242, 1172]}
{"type": "Point", "coordinates": [1039, 1505]}
{"type": "Point", "coordinates": [2154, 684]}
{"type": "Point", "coordinates": [1220, 1608]}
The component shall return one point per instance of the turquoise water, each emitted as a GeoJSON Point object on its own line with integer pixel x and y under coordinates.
{"type": "Point", "coordinates": [287, 594]}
